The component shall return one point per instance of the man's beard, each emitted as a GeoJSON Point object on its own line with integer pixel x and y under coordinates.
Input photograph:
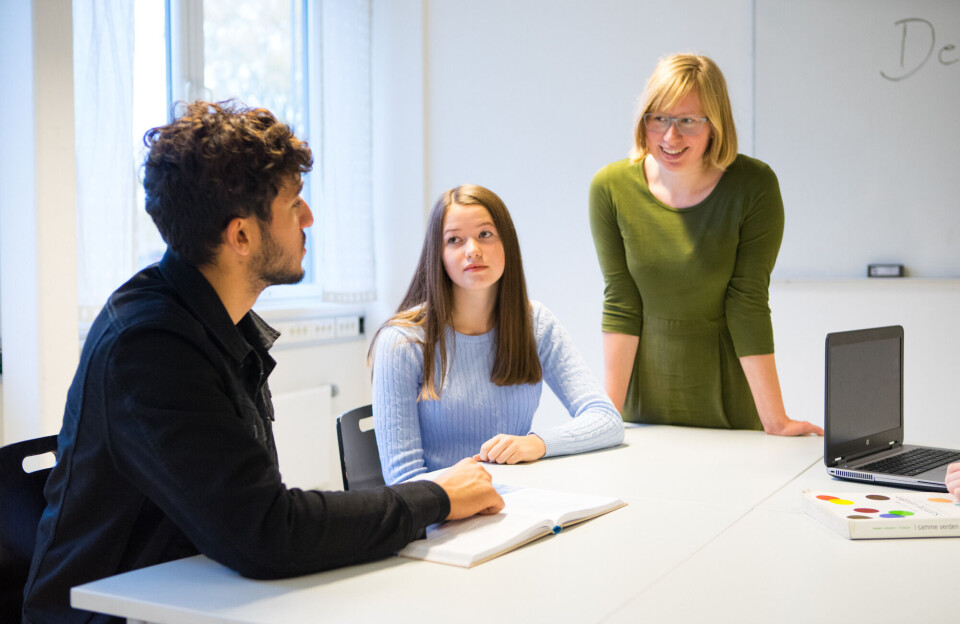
{"type": "Point", "coordinates": [271, 267]}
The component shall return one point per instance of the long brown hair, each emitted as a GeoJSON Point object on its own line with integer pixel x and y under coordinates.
{"type": "Point", "coordinates": [429, 299]}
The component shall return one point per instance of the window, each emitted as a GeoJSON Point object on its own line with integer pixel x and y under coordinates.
{"type": "Point", "coordinates": [308, 62]}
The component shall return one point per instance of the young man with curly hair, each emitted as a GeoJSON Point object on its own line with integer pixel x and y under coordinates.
{"type": "Point", "coordinates": [167, 447]}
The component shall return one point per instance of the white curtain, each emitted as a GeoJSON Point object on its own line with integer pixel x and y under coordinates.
{"type": "Point", "coordinates": [345, 211]}
{"type": "Point", "coordinates": [103, 33]}
{"type": "Point", "coordinates": [340, 135]}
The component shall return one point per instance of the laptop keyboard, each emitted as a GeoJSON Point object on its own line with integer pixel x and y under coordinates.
{"type": "Point", "coordinates": [913, 462]}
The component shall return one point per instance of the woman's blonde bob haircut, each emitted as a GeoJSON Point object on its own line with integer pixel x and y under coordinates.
{"type": "Point", "coordinates": [674, 77]}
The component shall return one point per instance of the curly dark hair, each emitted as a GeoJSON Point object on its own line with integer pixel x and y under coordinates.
{"type": "Point", "coordinates": [216, 162]}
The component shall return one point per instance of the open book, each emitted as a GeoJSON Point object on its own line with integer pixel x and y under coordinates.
{"type": "Point", "coordinates": [884, 514]}
{"type": "Point", "coordinates": [528, 514]}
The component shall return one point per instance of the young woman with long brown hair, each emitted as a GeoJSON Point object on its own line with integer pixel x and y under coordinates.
{"type": "Point", "coordinates": [458, 370]}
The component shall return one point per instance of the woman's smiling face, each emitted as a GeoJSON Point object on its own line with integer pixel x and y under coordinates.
{"type": "Point", "coordinates": [674, 151]}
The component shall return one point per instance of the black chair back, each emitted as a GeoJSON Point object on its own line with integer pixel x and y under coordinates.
{"type": "Point", "coordinates": [359, 457]}
{"type": "Point", "coordinates": [21, 505]}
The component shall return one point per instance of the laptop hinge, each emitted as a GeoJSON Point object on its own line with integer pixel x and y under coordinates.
{"type": "Point", "coordinates": [891, 445]}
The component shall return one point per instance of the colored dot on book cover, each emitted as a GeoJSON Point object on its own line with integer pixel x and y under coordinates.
{"type": "Point", "coordinates": [940, 500]}
{"type": "Point", "coordinates": [841, 501]}
{"type": "Point", "coordinates": [866, 510]}
{"type": "Point", "coordinates": [856, 517]}
{"type": "Point", "coordinates": [896, 514]}
{"type": "Point", "coordinates": [877, 497]}
{"type": "Point", "coordinates": [826, 497]}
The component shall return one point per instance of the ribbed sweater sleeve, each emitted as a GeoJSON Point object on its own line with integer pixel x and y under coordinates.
{"type": "Point", "coordinates": [397, 379]}
{"type": "Point", "coordinates": [595, 422]}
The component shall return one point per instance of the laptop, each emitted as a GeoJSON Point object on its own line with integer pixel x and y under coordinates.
{"type": "Point", "coordinates": [863, 436]}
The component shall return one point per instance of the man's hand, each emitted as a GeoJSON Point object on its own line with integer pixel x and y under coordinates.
{"type": "Point", "coordinates": [511, 449]}
{"type": "Point", "coordinates": [470, 489]}
{"type": "Point", "coordinates": [953, 479]}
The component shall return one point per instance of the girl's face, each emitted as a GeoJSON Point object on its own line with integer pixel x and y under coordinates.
{"type": "Point", "coordinates": [472, 250]}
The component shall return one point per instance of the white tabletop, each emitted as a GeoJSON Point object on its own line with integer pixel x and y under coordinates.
{"type": "Point", "coordinates": [712, 531]}
{"type": "Point", "coordinates": [777, 564]}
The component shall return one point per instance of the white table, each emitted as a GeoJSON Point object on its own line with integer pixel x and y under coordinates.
{"type": "Point", "coordinates": [777, 564]}
{"type": "Point", "coordinates": [713, 532]}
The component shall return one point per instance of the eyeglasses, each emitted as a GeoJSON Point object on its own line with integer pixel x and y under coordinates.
{"type": "Point", "coordinates": [687, 126]}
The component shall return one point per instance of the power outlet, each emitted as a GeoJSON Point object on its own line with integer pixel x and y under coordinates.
{"type": "Point", "coordinates": [323, 329]}
{"type": "Point", "coordinates": [348, 326]}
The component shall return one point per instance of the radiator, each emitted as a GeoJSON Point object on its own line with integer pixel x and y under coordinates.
{"type": "Point", "coordinates": [306, 436]}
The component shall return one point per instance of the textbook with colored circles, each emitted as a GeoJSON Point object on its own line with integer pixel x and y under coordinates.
{"type": "Point", "coordinates": [884, 514]}
{"type": "Point", "coordinates": [528, 514]}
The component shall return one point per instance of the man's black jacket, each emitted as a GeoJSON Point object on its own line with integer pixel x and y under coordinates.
{"type": "Point", "coordinates": [167, 450]}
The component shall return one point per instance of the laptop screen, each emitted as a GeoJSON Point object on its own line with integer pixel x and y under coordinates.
{"type": "Point", "coordinates": [864, 381]}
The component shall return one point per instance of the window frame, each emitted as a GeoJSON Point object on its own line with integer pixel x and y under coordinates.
{"type": "Point", "coordinates": [185, 75]}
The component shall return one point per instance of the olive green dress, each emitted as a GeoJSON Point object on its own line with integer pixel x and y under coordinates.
{"type": "Point", "coordinates": [693, 284]}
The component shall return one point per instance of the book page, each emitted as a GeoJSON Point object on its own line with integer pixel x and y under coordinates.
{"type": "Point", "coordinates": [478, 538]}
{"type": "Point", "coordinates": [562, 508]}
{"type": "Point", "coordinates": [528, 513]}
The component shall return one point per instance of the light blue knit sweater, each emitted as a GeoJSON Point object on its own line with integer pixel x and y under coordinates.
{"type": "Point", "coordinates": [415, 437]}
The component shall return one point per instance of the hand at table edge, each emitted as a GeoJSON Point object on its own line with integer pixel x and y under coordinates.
{"type": "Point", "coordinates": [788, 427]}
{"type": "Point", "coordinates": [470, 489]}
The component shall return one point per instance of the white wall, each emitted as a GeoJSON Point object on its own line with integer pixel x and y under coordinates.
{"type": "Point", "coordinates": [805, 310]}
{"type": "Point", "coordinates": [340, 364]}
{"type": "Point", "coordinates": [38, 235]}
{"type": "Point", "coordinates": [398, 150]}
{"type": "Point", "coordinates": [305, 367]}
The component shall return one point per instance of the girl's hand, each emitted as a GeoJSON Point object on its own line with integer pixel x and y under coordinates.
{"type": "Point", "coordinates": [511, 449]}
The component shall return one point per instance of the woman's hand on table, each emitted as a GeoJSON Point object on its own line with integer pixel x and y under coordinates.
{"type": "Point", "coordinates": [511, 449]}
{"type": "Point", "coordinates": [787, 427]}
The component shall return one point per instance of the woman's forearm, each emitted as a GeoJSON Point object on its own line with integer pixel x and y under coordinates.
{"type": "Point", "coordinates": [761, 373]}
{"type": "Point", "coordinates": [619, 354]}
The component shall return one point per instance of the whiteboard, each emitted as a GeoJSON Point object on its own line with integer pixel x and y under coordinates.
{"type": "Point", "coordinates": [857, 106]}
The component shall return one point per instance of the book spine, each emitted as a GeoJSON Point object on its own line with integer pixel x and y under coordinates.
{"type": "Point", "coordinates": [920, 527]}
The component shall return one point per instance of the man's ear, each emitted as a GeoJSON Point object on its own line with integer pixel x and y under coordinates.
{"type": "Point", "coordinates": [240, 235]}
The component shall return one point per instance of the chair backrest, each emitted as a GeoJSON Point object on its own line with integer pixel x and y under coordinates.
{"type": "Point", "coordinates": [359, 457]}
{"type": "Point", "coordinates": [21, 505]}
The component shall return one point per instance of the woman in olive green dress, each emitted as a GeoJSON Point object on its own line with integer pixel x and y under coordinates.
{"type": "Point", "coordinates": [687, 232]}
